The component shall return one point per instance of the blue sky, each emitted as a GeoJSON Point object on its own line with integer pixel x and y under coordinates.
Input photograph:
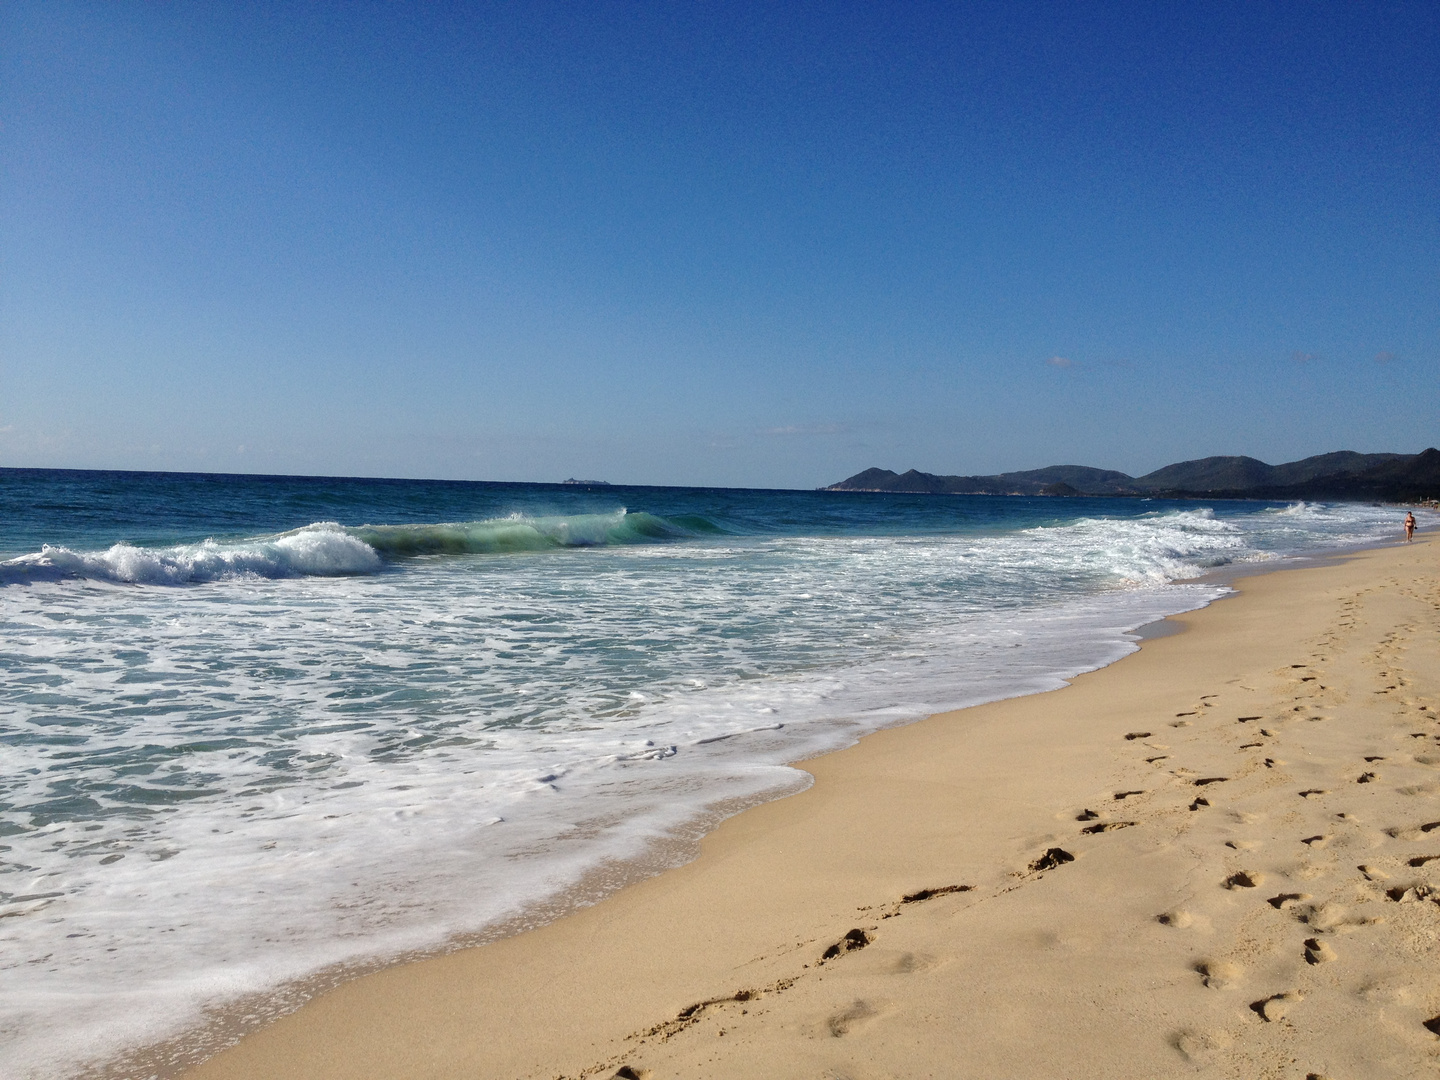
{"type": "Point", "coordinates": [734, 244]}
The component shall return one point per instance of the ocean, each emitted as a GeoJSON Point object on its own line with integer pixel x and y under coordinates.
{"type": "Point", "coordinates": [257, 733]}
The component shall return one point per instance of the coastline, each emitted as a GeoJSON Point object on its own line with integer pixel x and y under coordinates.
{"type": "Point", "coordinates": [1025, 966]}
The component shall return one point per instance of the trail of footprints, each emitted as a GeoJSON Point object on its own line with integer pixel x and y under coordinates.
{"type": "Point", "coordinates": [1312, 701]}
{"type": "Point", "coordinates": [1317, 921]}
{"type": "Point", "coordinates": [727, 1009]}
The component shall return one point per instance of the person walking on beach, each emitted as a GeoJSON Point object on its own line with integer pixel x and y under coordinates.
{"type": "Point", "coordinates": [1409, 526]}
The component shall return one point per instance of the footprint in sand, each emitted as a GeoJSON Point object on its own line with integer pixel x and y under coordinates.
{"type": "Point", "coordinates": [1399, 832]}
{"type": "Point", "coordinates": [1286, 899]}
{"type": "Point", "coordinates": [928, 894]}
{"type": "Point", "coordinates": [1126, 794]}
{"type": "Point", "coordinates": [1107, 826]}
{"type": "Point", "coordinates": [855, 939]}
{"type": "Point", "coordinates": [1277, 1005]}
{"type": "Point", "coordinates": [1243, 880]}
{"type": "Point", "coordinates": [1330, 916]}
{"type": "Point", "coordinates": [1373, 873]}
{"type": "Point", "coordinates": [1318, 952]}
{"type": "Point", "coordinates": [909, 963]}
{"type": "Point", "coordinates": [1052, 858]}
{"type": "Point", "coordinates": [1219, 974]}
{"type": "Point", "coordinates": [1179, 918]}
{"type": "Point", "coordinates": [844, 1021]}
{"type": "Point", "coordinates": [1200, 1047]}
{"type": "Point", "coordinates": [1315, 843]}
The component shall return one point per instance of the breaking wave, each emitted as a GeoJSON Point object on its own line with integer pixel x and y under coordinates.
{"type": "Point", "coordinates": [521, 533]}
{"type": "Point", "coordinates": [327, 549]}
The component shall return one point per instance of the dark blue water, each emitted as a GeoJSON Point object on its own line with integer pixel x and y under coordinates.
{"type": "Point", "coordinates": [93, 510]}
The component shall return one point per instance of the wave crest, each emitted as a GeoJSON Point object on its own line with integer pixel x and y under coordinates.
{"type": "Point", "coordinates": [521, 533]}
{"type": "Point", "coordinates": [323, 549]}
{"type": "Point", "coordinates": [327, 549]}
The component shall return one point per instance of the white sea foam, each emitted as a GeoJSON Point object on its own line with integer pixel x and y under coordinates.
{"type": "Point", "coordinates": [323, 549]}
{"type": "Point", "coordinates": [212, 791]}
{"type": "Point", "coordinates": [326, 549]}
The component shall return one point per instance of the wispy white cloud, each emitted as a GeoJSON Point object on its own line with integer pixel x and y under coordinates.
{"type": "Point", "coordinates": [1303, 357]}
{"type": "Point", "coordinates": [1384, 357]}
{"type": "Point", "coordinates": [1060, 362]}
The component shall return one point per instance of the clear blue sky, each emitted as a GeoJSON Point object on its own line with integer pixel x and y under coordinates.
{"type": "Point", "coordinates": [741, 244]}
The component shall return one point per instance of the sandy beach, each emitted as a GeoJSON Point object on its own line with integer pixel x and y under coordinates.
{"type": "Point", "coordinates": [1212, 858]}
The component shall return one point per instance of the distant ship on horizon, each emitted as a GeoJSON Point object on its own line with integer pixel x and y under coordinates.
{"type": "Point", "coordinates": [588, 483]}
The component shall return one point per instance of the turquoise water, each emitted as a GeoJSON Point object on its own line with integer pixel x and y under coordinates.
{"type": "Point", "coordinates": [252, 728]}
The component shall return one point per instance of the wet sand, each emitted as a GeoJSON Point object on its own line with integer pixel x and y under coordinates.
{"type": "Point", "coordinates": [1217, 857]}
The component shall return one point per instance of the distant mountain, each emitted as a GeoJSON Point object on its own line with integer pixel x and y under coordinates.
{"type": "Point", "coordinates": [1400, 478]}
{"type": "Point", "coordinates": [1078, 477]}
{"type": "Point", "coordinates": [1208, 474]}
{"type": "Point", "coordinates": [1340, 463]}
{"type": "Point", "coordinates": [1246, 473]}
{"type": "Point", "coordinates": [1035, 482]}
{"type": "Point", "coordinates": [1340, 475]}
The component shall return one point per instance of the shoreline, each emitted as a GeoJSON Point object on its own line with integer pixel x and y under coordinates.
{"type": "Point", "coordinates": [678, 845]}
{"type": "Point", "coordinates": [609, 971]}
{"type": "Point", "coordinates": [235, 1020]}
